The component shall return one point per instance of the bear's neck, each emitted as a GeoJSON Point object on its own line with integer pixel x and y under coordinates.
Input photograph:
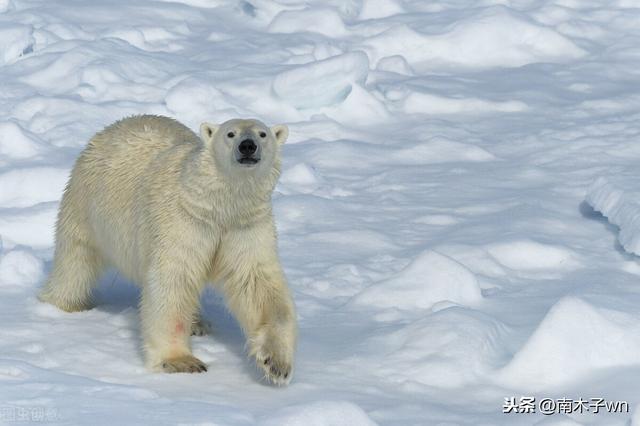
{"type": "Point", "coordinates": [206, 188]}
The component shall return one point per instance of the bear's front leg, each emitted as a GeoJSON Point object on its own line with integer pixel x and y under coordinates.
{"type": "Point", "coordinates": [256, 292]}
{"type": "Point", "coordinates": [170, 302]}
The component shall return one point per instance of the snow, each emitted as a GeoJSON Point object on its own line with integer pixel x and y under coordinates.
{"type": "Point", "coordinates": [495, 37]}
{"type": "Point", "coordinates": [29, 186]}
{"type": "Point", "coordinates": [605, 338]}
{"type": "Point", "coordinates": [15, 143]}
{"type": "Point", "coordinates": [618, 199]}
{"type": "Point", "coordinates": [321, 413]}
{"type": "Point", "coordinates": [15, 40]}
{"type": "Point", "coordinates": [325, 21]}
{"type": "Point", "coordinates": [426, 103]}
{"type": "Point", "coordinates": [430, 278]}
{"type": "Point", "coordinates": [457, 211]}
{"type": "Point", "coordinates": [322, 83]}
{"type": "Point", "coordinates": [375, 9]}
{"type": "Point", "coordinates": [531, 255]}
{"type": "Point", "coordinates": [20, 267]}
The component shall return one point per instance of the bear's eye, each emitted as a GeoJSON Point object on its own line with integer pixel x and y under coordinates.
{"type": "Point", "coordinates": [230, 134]}
{"type": "Point", "coordinates": [262, 134]}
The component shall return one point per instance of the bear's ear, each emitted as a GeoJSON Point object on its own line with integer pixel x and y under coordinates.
{"type": "Point", "coordinates": [281, 132]}
{"type": "Point", "coordinates": [207, 131]}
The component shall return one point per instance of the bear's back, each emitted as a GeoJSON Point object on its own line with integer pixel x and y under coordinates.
{"type": "Point", "coordinates": [140, 134]}
{"type": "Point", "coordinates": [116, 173]}
{"type": "Point", "coordinates": [126, 148]}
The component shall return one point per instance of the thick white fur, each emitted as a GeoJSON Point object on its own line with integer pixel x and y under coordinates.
{"type": "Point", "coordinates": [174, 211]}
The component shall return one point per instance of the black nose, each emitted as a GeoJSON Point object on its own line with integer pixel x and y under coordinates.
{"type": "Point", "coordinates": [247, 147]}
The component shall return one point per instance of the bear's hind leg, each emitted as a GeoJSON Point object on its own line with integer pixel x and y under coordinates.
{"type": "Point", "coordinates": [199, 326]}
{"type": "Point", "coordinates": [75, 272]}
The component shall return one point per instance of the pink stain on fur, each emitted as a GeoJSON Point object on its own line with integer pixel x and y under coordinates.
{"type": "Point", "coordinates": [180, 328]}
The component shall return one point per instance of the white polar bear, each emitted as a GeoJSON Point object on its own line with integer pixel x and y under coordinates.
{"type": "Point", "coordinates": [173, 211]}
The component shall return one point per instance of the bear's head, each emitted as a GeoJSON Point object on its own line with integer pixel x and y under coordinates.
{"type": "Point", "coordinates": [244, 146]}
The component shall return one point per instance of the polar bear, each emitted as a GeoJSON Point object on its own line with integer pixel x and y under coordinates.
{"type": "Point", "coordinates": [173, 211]}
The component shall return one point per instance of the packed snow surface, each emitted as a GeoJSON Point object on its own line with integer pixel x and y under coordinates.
{"type": "Point", "coordinates": [618, 199]}
{"type": "Point", "coordinates": [431, 210]}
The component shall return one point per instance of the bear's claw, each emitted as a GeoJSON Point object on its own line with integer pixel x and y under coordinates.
{"type": "Point", "coordinates": [200, 328]}
{"type": "Point", "coordinates": [277, 372]}
{"type": "Point", "coordinates": [184, 364]}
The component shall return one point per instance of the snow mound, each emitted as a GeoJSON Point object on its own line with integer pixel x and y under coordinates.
{"type": "Point", "coordinates": [15, 40]}
{"type": "Point", "coordinates": [360, 107]}
{"type": "Point", "coordinates": [573, 340]}
{"type": "Point", "coordinates": [430, 278]}
{"type": "Point", "coordinates": [325, 21]}
{"type": "Point", "coordinates": [425, 103]}
{"type": "Point", "coordinates": [448, 348]}
{"type": "Point", "coordinates": [531, 255]}
{"type": "Point", "coordinates": [62, 74]}
{"type": "Point", "coordinates": [618, 199]}
{"type": "Point", "coordinates": [30, 186]}
{"type": "Point", "coordinates": [14, 141]}
{"type": "Point", "coordinates": [195, 100]}
{"type": "Point", "coordinates": [321, 413]}
{"type": "Point", "coordinates": [322, 83]}
{"type": "Point", "coordinates": [20, 268]}
{"type": "Point", "coordinates": [301, 178]}
{"type": "Point", "coordinates": [496, 38]}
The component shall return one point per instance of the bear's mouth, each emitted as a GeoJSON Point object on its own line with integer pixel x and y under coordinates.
{"type": "Point", "coordinates": [249, 161]}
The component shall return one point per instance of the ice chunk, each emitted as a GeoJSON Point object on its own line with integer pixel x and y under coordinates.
{"type": "Point", "coordinates": [321, 413]}
{"type": "Point", "coordinates": [430, 278]}
{"type": "Point", "coordinates": [20, 267]}
{"type": "Point", "coordinates": [322, 83]}
{"type": "Point", "coordinates": [15, 41]}
{"type": "Point", "coordinates": [573, 340]}
{"type": "Point", "coordinates": [618, 199]}
{"type": "Point", "coordinates": [321, 20]}
{"type": "Point", "coordinates": [15, 142]}
{"type": "Point", "coordinates": [497, 38]}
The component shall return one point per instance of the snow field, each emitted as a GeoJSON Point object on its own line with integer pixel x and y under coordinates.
{"type": "Point", "coordinates": [430, 208]}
